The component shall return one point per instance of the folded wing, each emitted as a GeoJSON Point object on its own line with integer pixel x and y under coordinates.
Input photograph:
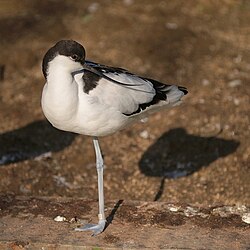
{"type": "Point", "coordinates": [126, 92]}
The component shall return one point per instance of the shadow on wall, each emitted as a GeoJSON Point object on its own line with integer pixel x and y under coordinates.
{"type": "Point", "coordinates": [31, 141]}
{"type": "Point", "coordinates": [177, 153]}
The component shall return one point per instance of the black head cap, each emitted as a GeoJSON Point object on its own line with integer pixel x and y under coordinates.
{"type": "Point", "coordinates": [69, 48]}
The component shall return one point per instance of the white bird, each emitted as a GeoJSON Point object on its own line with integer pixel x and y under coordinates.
{"type": "Point", "coordinates": [92, 99]}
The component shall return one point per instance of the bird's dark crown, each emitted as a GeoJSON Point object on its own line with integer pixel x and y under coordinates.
{"type": "Point", "coordinates": [68, 48]}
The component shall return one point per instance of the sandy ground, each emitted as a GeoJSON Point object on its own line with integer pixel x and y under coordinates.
{"type": "Point", "coordinates": [196, 153]}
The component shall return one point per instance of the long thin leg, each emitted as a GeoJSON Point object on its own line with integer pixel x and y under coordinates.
{"type": "Point", "coordinates": [97, 228]}
{"type": "Point", "coordinates": [99, 167]}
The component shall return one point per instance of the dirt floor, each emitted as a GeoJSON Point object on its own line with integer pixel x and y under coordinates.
{"type": "Point", "coordinates": [196, 153]}
{"type": "Point", "coordinates": [48, 223]}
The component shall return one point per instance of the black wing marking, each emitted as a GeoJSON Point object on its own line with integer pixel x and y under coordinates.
{"type": "Point", "coordinates": [90, 81]}
{"type": "Point", "coordinates": [183, 89]}
{"type": "Point", "coordinates": [107, 69]}
{"type": "Point", "coordinates": [100, 70]}
{"type": "Point", "coordinates": [160, 95]}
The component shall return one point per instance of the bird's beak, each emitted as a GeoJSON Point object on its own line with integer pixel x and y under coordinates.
{"type": "Point", "coordinates": [82, 61]}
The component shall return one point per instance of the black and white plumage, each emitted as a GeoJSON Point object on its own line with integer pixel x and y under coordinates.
{"type": "Point", "coordinates": [96, 100]}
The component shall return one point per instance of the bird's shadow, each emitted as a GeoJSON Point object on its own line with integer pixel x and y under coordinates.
{"type": "Point", "coordinates": [32, 140]}
{"type": "Point", "coordinates": [176, 154]}
{"type": "Point", "coordinates": [110, 218]}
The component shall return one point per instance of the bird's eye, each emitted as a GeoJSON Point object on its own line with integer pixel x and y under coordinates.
{"type": "Point", "coordinates": [74, 57]}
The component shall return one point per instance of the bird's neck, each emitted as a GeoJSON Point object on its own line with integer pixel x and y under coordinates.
{"type": "Point", "coordinates": [59, 78]}
{"type": "Point", "coordinates": [61, 92]}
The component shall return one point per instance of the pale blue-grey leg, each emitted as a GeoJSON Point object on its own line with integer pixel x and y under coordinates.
{"type": "Point", "coordinates": [97, 228]}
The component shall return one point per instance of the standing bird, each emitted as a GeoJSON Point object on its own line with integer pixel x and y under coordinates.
{"type": "Point", "coordinates": [92, 99]}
